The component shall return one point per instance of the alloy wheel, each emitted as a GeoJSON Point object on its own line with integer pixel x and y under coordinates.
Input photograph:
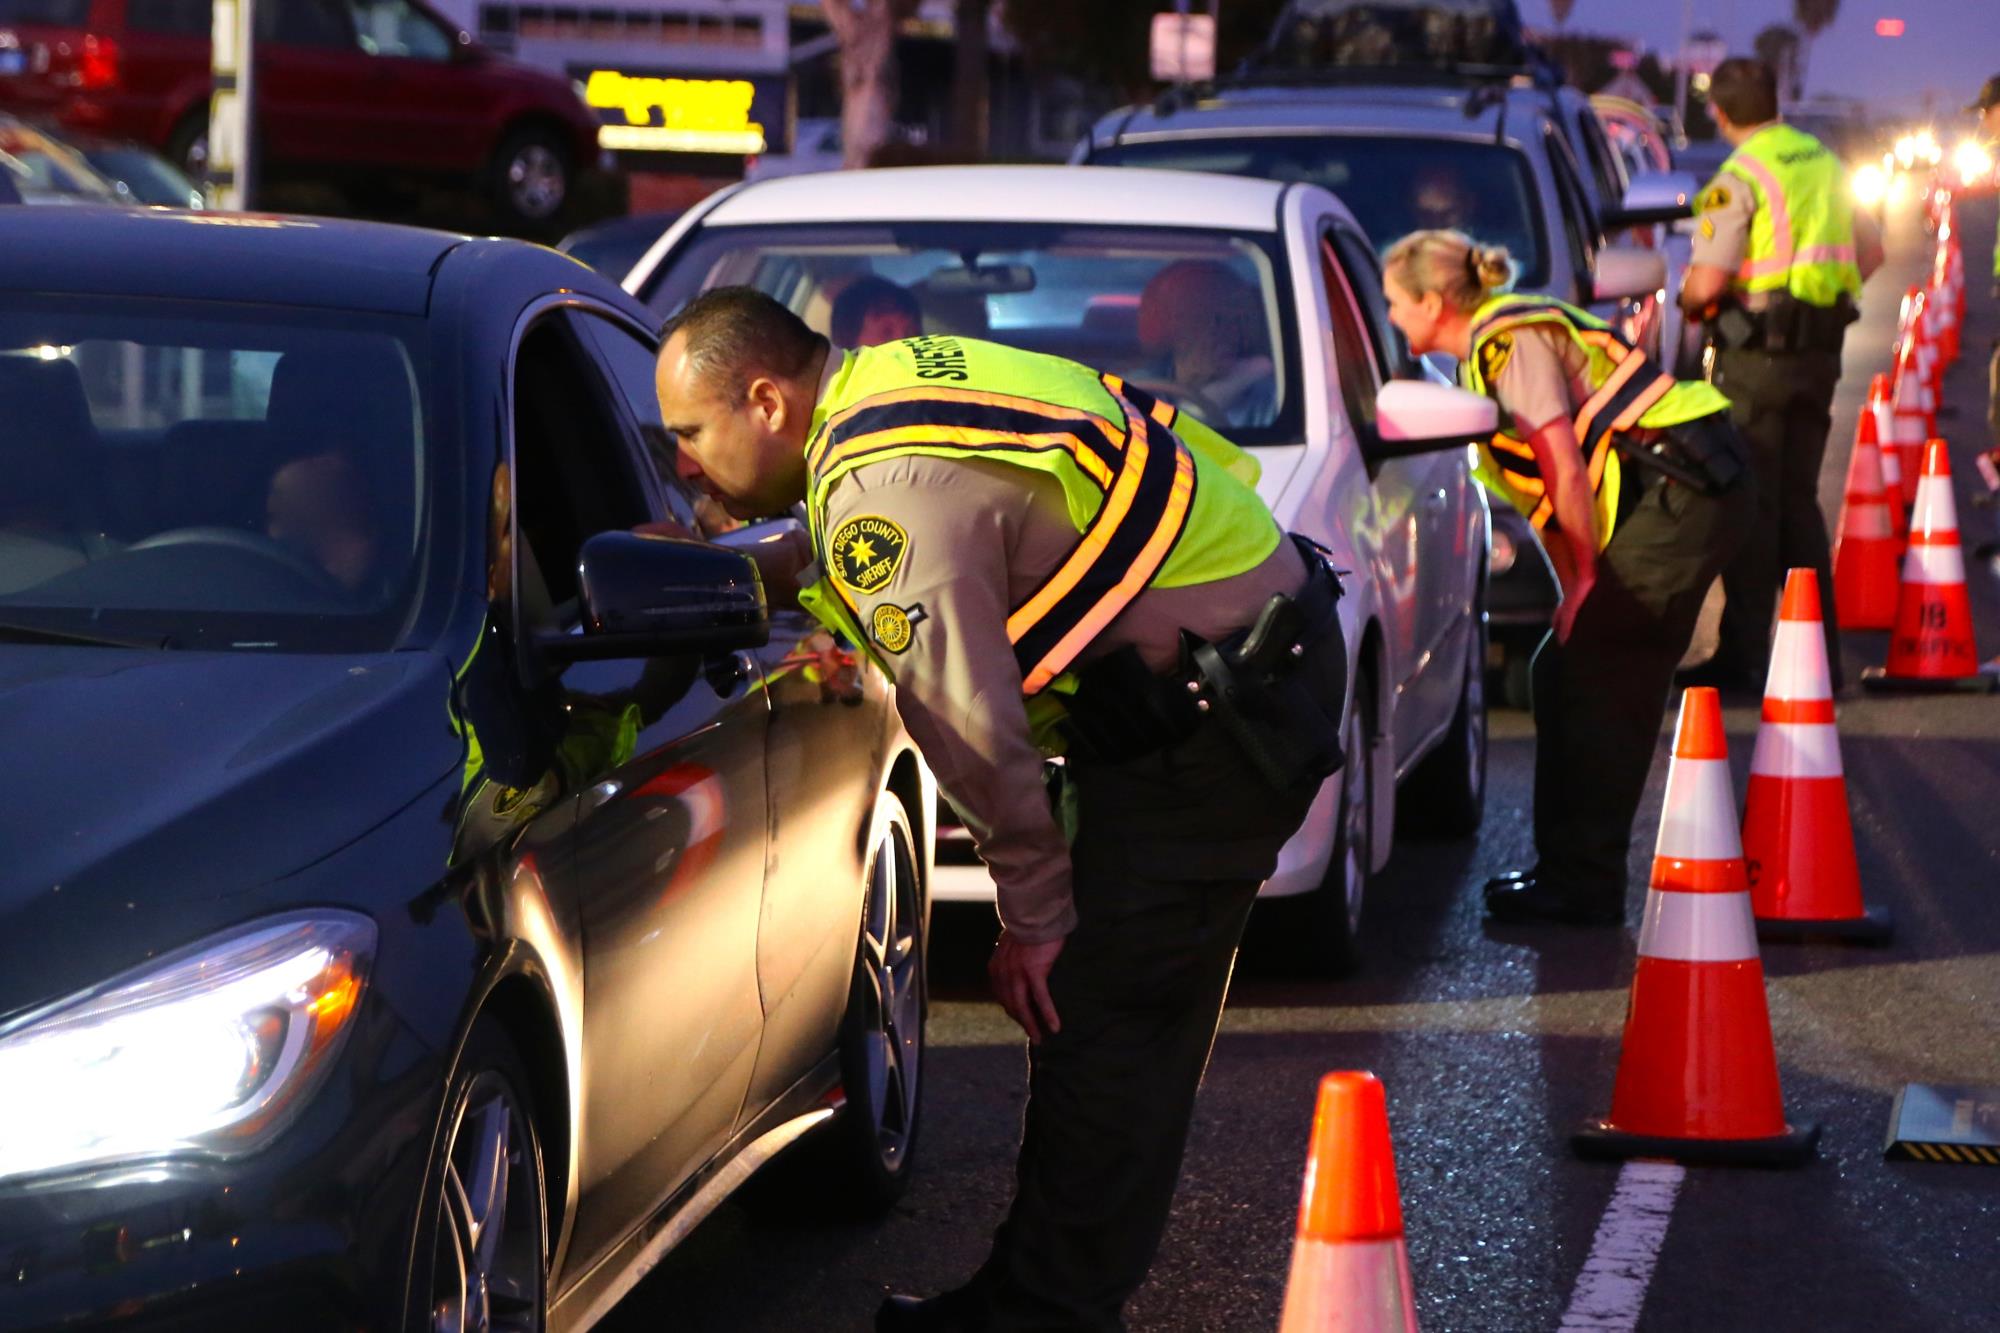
{"type": "Point", "coordinates": [893, 993]}
{"type": "Point", "coordinates": [536, 181]}
{"type": "Point", "coordinates": [486, 1272]}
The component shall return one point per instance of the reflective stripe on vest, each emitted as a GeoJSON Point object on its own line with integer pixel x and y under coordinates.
{"type": "Point", "coordinates": [1803, 239]}
{"type": "Point", "coordinates": [1146, 474]}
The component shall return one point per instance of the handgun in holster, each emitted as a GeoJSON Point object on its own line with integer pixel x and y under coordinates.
{"type": "Point", "coordinates": [1260, 688]}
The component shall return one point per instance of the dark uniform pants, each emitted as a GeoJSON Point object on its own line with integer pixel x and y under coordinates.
{"type": "Point", "coordinates": [1169, 854]}
{"type": "Point", "coordinates": [1600, 697]}
{"type": "Point", "coordinates": [1783, 406]}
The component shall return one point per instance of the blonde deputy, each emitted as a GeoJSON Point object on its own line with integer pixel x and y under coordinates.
{"type": "Point", "coordinates": [1640, 490]}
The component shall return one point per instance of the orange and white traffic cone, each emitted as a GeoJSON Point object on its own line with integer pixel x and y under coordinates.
{"type": "Point", "coordinates": [1882, 412]}
{"type": "Point", "coordinates": [1697, 1074]}
{"type": "Point", "coordinates": [1931, 648]}
{"type": "Point", "coordinates": [1798, 839]}
{"type": "Point", "coordinates": [1350, 1268]}
{"type": "Point", "coordinates": [1913, 423]}
{"type": "Point", "coordinates": [1866, 548]}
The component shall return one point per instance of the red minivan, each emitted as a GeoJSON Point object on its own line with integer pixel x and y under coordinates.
{"type": "Point", "coordinates": [347, 90]}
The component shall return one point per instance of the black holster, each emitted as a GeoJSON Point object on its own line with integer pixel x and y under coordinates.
{"type": "Point", "coordinates": [1258, 685]}
{"type": "Point", "coordinates": [1707, 453]}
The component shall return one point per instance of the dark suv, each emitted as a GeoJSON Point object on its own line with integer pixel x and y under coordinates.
{"type": "Point", "coordinates": [348, 91]}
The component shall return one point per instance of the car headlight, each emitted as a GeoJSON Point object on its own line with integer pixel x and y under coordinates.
{"type": "Point", "coordinates": [1972, 162]}
{"type": "Point", "coordinates": [1870, 184]}
{"type": "Point", "coordinates": [204, 1052]}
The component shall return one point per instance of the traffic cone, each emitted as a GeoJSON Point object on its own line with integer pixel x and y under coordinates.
{"type": "Point", "coordinates": [1865, 547]}
{"type": "Point", "coordinates": [1798, 840]}
{"type": "Point", "coordinates": [1350, 1269]}
{"type": "Point", "coordinates": [1931, 648]}
{"type": "Point", "coordinates": [1697, 1074]}
{"type": "Point", "coordinates": [1912, 424]}
{"type": "Point", "coordinates": [1882, 412]}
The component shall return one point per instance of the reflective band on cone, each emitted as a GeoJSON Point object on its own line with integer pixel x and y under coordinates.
{"type": "Point", "coordinates": [1798, 839]}
{"type": "Point", "coordinates": [1697, 1073]}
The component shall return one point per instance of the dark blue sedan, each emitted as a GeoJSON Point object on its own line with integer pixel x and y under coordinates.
{"type": "Point", "coordinates": [434, 875]}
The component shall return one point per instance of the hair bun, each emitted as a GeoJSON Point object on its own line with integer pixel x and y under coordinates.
{"type": "Point", "coordinates": [1493, 266]}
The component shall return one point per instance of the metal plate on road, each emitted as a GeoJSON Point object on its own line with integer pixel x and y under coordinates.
{"type": "Point", "coordinates": [1934, 1123]}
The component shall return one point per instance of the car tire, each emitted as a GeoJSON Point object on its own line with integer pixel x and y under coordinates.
{"type": "Point", "coordinates": [530, 180]}
{"type": "Point", "coordinates": [1446, 796]}
{"type": "Point", "coordinates": [1323, 936]}
{"type": "Point", "coordinates": [865, 1154]}
{"type": "Point", "coordinates": [483, 1220]}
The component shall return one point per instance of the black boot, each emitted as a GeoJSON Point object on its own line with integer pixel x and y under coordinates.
{"type": "Point", "coordinates": [1520, 896]}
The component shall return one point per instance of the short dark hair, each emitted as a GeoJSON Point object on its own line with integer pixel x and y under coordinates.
{"type": "Point", "coordinates": [1744, 89]}
{"type": "Point", "coordinates": [864, 296]}
{"type": "Point", "coordinates": [735, 334]}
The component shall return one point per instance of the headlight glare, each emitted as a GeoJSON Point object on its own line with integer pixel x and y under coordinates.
{"type": "Point", "coordinates": [205, 1052]}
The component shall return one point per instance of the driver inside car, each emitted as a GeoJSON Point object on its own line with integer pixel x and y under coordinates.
{"type": "Point", "coordinates": [319, 506]}
{"type": "Point", "coordinates": [1209, 323]}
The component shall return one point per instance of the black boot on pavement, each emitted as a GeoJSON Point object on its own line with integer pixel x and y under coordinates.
{"type": "Point", "coordinates": [1520, 897]}
{"type": "Point", "coordinates": [949, 1313]}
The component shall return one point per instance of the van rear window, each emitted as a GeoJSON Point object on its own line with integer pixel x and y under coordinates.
{"type": "Point", "coordinates": [186, 18]}
{"type": "Point", "coordinates": [48, 13]}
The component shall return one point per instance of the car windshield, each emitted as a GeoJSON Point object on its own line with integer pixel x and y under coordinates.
{"type": "Point", "coordinates": [149, 179]}
{"type": "Point", "coordinates": [46, 172]}
{"type": "Point", "coordinates": [1393, 185]}
{"type": "Point", "coordinates": [209, 477]}
{"type": "Point", "coordinates": [1196, 317]}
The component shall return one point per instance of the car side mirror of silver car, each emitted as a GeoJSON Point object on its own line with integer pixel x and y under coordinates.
{"type": "Point", "coordinates": [1417, 417]}
{"type": "Point", "coordinates": [1629, 273]}
{"type": "Point", "coordinates": [1654, 197]}
{"type": "Point", "coordinates": [646, 596]}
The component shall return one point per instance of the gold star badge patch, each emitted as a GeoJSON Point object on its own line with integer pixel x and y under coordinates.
{"type": "Point", "coordinates": [894, 627]}
{"type": "Point", "coordinates": [867, 552]}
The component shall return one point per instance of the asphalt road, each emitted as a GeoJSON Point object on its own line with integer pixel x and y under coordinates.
{"type": "Point", "coordinates": [1494, 1043]}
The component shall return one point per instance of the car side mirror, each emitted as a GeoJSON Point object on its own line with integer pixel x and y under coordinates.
{"type": "Point", "coordinates": [1414, 417]}
{"type": "Point", "coordinates": [1628, 272]}
{"type": "Point", "coordinates": [1654, 197]}
{"type": "Point", "coordinates": [644, 596]}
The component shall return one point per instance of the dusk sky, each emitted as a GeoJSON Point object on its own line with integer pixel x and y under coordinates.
{"type": "Point", "coordinates": [1949, 46]}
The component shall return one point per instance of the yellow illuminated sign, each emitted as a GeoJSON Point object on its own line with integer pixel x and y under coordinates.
{"type": "Point", "coordinates": [693, 115]}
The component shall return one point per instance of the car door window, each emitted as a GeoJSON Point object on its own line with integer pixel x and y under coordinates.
{"type": "Point", "coordinates": [1364, 273]}
{"type": "Point", "coordinates": [396, 28]}
{"type": "Point", "coordinates": [1605, 166]}
{"type": "Point", "coordinates": [1357, 362]}
{"type": "Point", "coordinates": [574, 475]}
{"type": "Point", "coordinates": [1578, 225]}
{"type": "Point", "coordinates": [628, 364]}
{"type": "Point", "coordinates": [316, 23]}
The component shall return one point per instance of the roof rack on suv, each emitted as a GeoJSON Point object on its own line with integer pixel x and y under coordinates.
{"type": "Point", "coordinates": [1486, 83]}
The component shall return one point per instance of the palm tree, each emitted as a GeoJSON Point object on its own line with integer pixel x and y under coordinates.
{"type": "Point", "coordinates": [1812, 17]}
{"type": "Point", "coordinates": [1560, 9]}
{"type": "Point", "coordinates": [1778, 47]}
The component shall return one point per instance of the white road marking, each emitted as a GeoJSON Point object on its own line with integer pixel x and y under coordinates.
{"type": "Point", "coordinates": [1611, 1289]}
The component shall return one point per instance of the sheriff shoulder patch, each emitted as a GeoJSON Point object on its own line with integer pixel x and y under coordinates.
{"type": "Point", "coordinates": [895, 626]}
{"type": "Point", "coordinates": [1715, 196]}
{"type": "Point", "coordinates": [867, 552]}
{"type": "Point", "coordinates": [1494, 354]}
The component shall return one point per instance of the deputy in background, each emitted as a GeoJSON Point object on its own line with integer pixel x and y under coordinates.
{"type": "Point", "coordinates": [1776, 272]}
{"type": "Point", "coordinates": [1640, 489]}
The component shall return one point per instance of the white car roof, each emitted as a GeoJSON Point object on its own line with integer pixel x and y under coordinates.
{"type": "Point", "coordinates": [1107, 196]}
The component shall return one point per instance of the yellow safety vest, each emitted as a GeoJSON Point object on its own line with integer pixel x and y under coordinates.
{"type": "Point", "coordinates": [1158, 499]}
{"type": "Point", "coordinates": [1628, 392]}
{"type": "Point", "coordinates": [1802, 235]}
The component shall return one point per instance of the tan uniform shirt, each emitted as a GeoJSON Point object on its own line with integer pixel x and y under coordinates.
{"type": "Point", "coordinates": [982, 537]}
{"type": "Point", "coordinates": [1722, 235]}
{"type": "Point", "coordinates": [1537, 374]}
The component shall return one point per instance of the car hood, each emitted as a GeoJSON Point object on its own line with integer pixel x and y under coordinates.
{"type": "Point", "coordinates": [135, 780]}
